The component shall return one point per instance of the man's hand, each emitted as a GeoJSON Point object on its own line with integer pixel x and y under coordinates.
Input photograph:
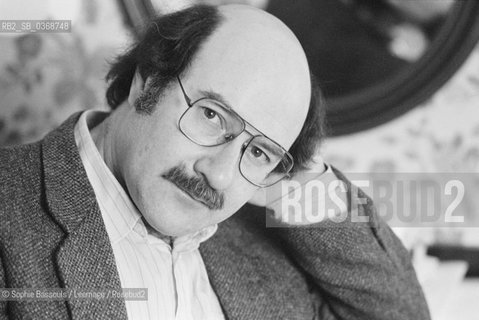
{"type": "Point", "coordinates": [306, 198]}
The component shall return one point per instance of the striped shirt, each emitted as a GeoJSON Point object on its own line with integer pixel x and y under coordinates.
{"type": "Point", "coordinates": [175, 275]}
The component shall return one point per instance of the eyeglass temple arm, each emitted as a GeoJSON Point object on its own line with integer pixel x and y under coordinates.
{"type": "Point", "coordinates": [188, 100]}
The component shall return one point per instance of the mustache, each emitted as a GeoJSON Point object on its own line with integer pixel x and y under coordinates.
{"type": "Point", "coordinates": [195, 186]}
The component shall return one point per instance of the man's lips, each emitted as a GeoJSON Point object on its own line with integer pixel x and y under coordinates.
{"type": "Point", "coordinates": [192, 196]}
{"type": "Point", "coordinates": [197, 188]}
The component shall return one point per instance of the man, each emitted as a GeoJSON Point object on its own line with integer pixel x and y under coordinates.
{"type": "Point", "coordinates": [206, 107]}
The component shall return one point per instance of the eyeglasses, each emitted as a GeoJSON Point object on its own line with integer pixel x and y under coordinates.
{"type": "Point", "coordinates": [208, 122]}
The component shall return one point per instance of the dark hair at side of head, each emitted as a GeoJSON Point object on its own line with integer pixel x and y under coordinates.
{"type": "Point", "coordinates": [307, 144]}
{"type": "Point", "coordinates": [162, 53]}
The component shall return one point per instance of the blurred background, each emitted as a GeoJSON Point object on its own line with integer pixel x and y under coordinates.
{"type": "Point", "coordinates": [401, 78]}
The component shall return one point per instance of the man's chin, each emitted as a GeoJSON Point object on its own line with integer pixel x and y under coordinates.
{"type": "Point", "coordinates": [177, 228]}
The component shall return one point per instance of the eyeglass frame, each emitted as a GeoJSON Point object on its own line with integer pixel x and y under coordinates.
{"type": "Point", "coordinates": [191, 103]}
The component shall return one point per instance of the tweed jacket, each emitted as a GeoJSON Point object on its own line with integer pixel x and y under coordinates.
{"type": "Point", "coordinates": [52, 236]}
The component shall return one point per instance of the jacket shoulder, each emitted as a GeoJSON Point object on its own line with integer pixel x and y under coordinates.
{"type": "Point", "coordinates": [20, 182]}
{"type": "Point", "coordinates": [20, 170]}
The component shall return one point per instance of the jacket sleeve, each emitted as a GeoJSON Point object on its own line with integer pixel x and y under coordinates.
{"type": "Point", "coordinates": [360, 270]}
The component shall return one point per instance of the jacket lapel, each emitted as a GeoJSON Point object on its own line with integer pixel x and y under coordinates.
{"type": "Point", "coordinates": [85, 258]}
{"type": "Point", "coordinates": [245, 285]}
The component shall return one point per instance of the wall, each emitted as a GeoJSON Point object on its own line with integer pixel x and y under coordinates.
{"type": "Point", "coordinates": [45, 77]}
{"type": "Point", "coordinates": [440, 136]}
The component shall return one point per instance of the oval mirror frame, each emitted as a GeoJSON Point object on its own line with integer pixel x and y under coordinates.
{"type": "Point", "coordinates": [399, 93]}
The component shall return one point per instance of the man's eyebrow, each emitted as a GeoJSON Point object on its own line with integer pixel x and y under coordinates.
{"type": "Point", "coordinates": [209, 94]}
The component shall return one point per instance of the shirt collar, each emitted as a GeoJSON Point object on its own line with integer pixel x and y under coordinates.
{"type": "Point", "coordinates": [119, 213]}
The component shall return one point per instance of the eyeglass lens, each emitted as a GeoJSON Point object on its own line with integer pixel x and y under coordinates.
{"type": "Point", "coordinates": [207, 123]}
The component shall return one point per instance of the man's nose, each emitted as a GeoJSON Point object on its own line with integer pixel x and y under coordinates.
{"type": "Point", "coordinates": [220, 164]}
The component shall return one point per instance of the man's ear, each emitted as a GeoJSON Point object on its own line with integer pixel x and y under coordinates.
{"type": "Point", "coordinates": [136, 88]}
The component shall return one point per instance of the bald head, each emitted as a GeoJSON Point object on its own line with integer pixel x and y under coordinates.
{"type": "Point", "coordinates": [261, 68]}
